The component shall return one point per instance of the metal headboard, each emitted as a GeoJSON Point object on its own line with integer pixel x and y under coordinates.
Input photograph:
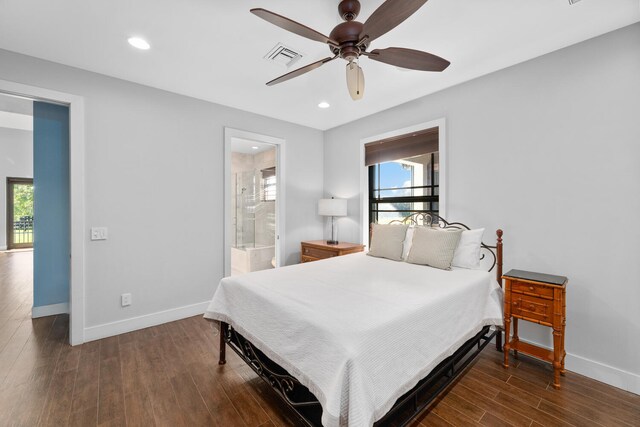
{"type": "Point", "coordinates": [427, 219]}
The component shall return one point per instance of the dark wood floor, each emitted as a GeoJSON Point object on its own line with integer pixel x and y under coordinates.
{"type": "Point", "coordinates": [168, 375]}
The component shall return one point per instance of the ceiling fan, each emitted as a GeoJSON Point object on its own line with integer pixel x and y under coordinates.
{"type": "Point", "coordinates": [350, 40]}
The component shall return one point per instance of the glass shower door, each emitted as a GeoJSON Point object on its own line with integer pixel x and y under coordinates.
{"type": "Point", "coordinates": [245, 209]}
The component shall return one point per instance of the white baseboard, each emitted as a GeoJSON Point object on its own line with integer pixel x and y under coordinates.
{"type": "Point", "coordinates": [3, 248]}
{"type": "Point", "coordinates": [49, 310]}
{"type": "Point", "coordinates": [133, 324]}
{"type": "Point", "coordinates": [604, 373]}
{"type": "Point", "coordinates": [599, 371]}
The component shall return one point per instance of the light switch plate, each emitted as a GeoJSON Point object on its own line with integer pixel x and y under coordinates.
{"type": "Point", "coordinates": [99, 233]}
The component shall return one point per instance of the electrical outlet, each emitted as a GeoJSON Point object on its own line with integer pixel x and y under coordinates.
{"type": "Point", "coordinates": [125, 300]}
{"type": "Point", "coordinates": [99, 233]}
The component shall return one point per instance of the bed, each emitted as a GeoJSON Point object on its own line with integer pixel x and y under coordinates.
{"type": "Point", "coordinates": [358, 340]}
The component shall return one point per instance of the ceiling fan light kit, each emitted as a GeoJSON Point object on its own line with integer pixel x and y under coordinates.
{"type": "Point", "coordinates": [355, 80]}
{"type": "Point", "coordinates": [350, 40]}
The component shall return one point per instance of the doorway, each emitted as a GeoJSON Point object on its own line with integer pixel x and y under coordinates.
{"type": "Point", "coordinates": [254, 200]}
{"type": "Point", "coordinates": [19, 213]}
{"type": "Point", "coordinates": [37, 201]}
{"type": "Point", "coordinates": [253, 203]}
{"type": "Point", "coordinates": [61, 116]}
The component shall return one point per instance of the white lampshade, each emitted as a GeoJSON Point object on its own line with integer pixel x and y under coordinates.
{"type": "Point", "coordinates": [332, 207]}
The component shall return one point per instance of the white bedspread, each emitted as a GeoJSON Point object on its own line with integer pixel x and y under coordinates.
{"type": "Point", "coordinates": [358, 331]}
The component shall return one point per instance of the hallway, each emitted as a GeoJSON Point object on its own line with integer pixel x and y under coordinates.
{"type": "Point", "coordinates": [16, 299]}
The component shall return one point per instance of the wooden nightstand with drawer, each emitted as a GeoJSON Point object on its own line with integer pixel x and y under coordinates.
{"type": "Point", "coordinates": [538, 298]}
{"type": "Point", "coordinates": [320, 249]}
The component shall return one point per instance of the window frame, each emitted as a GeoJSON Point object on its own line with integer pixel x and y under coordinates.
{"type": "Point", "coordinates": [440, 123]}
{"type": "Point", "coordinates": [434, 190]}
{"type": "Point", "coordinates": [269, 189]}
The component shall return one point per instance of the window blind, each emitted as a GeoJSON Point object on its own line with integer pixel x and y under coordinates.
{"type": "Point", "coordinates": [401, 146]}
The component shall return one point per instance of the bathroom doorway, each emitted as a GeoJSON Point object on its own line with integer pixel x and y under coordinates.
{"type": "Point", "coordinates": [253, 190]}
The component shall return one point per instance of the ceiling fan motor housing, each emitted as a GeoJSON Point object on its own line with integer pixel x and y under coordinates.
{"type": "Point", "coordinates": [347, 34]}
{"type": "Point", "coordinates": [349, 9]}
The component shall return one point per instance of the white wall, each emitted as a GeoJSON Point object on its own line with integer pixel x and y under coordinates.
{"type": "Point", "coordinates": [154, 172]}
{"type": "Point", "coordinates": [548, 150]}
{"type": "Point", "coordinates": [16, 161]}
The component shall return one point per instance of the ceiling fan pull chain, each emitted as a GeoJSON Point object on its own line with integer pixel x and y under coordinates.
{"type": "Point", "coordinates": [358, 78]}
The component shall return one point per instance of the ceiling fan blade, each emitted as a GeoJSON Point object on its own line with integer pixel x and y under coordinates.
{"type": "Point", "coordinates": [300, 71]}
{"type": "Point", "coordinates": [389, 15]}
{"type": "Point", "coordinates": [292, 26]}
{"type": "Point", "coordinates": [409, 58]}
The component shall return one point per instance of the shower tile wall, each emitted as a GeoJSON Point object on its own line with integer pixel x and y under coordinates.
{"type": "Point", "coordinates": [265, 159]}
{"type": "Point", "coordinates": [265, 225]}
{"type": "Point", "coordinates": [240, 164]}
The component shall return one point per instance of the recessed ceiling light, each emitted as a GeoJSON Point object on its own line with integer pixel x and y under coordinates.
{"type": "Point", "coordinates": [254, 147]}
{"type": "Point", "coordinates": [324, 104]}
{"type": "Point", "coordinates": [139, 43]}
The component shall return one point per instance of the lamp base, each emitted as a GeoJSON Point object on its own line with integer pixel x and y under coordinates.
{"type": "Point", "coordinates": [332, 242]}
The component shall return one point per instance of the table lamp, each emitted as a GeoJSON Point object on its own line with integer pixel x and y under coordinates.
{"type": "Point", "coordinates": [332, 207]}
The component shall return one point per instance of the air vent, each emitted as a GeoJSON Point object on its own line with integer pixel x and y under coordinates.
{"type": "Point", "coordinates": [284, 55]}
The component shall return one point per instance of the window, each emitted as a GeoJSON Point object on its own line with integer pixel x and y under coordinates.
{"type": "Point", "coordinates": [403, 176]}
{"type": "Point", "coordinates": [269, 185]}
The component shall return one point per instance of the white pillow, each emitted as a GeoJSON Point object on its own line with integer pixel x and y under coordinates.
{"type": "Point", "coordinates": [467, 254]}
{"type": "Point", "coordinates": [406, 247]}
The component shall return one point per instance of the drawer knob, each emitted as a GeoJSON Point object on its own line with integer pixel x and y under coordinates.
{"type": "Point", "coordinates": [531, 307]}
{"type": "Point", "coordinates": [515, 304]}
{"type": "Point", "coordinates": [530, 288]}
{"type": "Point", "coordinates": [306, 251]}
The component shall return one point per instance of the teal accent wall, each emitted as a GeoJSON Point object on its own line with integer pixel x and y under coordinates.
{"type": "Point", "coordinates": [52, 243]}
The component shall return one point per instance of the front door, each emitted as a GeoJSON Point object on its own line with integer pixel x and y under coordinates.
{"type": "Point", "coordinates": [19, 213]}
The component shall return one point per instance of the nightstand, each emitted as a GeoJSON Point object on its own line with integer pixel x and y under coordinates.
{"type": "Point", "coordinates": [538, 298]}
{"type": "Point", "coordinates": [320, 249]}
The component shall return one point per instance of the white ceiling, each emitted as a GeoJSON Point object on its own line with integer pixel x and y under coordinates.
{"type": "Point", "coordinates": [213, 49]}
{"type": "Point", "coordinates": [246, 146]}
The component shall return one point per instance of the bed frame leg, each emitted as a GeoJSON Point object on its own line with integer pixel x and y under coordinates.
{"type": "Point", "coordinates": [499, 234]}
{"type": "Point", "coordinates": [223, 344]}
